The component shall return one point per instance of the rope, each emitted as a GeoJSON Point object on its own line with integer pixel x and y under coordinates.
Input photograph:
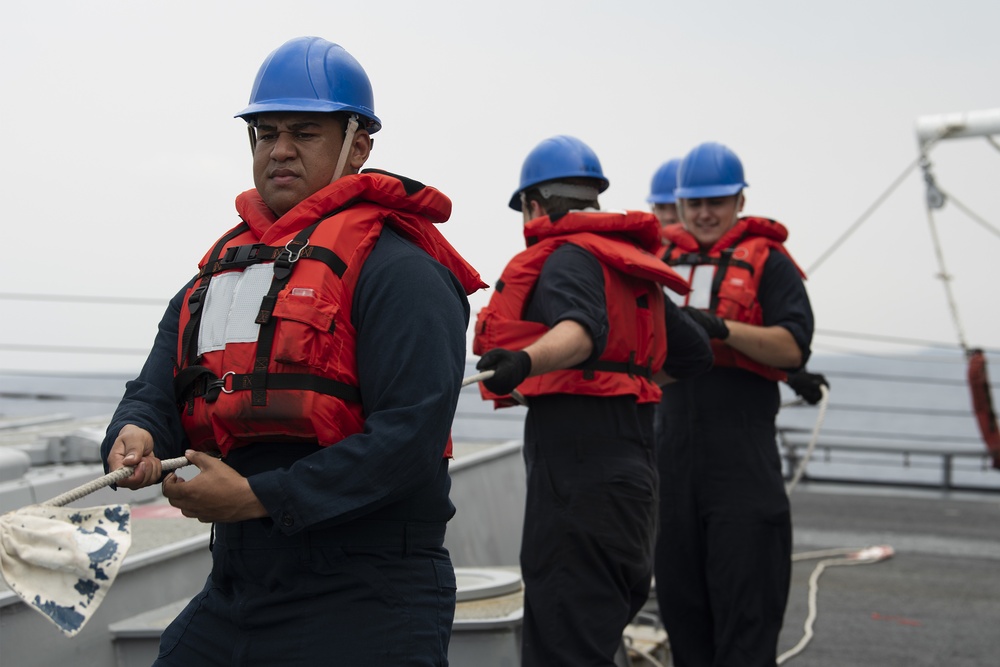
{"type": "Point", "coordinates": [478, 377]}
{"type": "Point", "coordinates": [169, 464]}
{"type": "Point", "coordinates": [864, 556]}
{"type": "Point", "coordinates": [107, 480]}
{"type": "Point", "coordinates": [801, 469]}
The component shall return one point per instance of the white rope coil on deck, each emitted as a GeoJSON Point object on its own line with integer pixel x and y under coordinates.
{"type": "Point", "coordinates": [865, 556]}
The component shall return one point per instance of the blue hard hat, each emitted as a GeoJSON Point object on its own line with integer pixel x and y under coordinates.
{"type": "Point", "coordinates": [312, 74]}
{"type": "Point", "coordinates": [661, 190]}
{"type": "Point", "coordinates": [709, 170]}
{"type": "Point", "coordinates": [558, 158]}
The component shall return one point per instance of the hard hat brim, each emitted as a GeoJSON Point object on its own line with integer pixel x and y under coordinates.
{"type": "Point", "coordinates": [310, 106]}
{"type": "Point", "coordinates": [703, 191]}
{"type": "Point", "coordinates": [661, 199]}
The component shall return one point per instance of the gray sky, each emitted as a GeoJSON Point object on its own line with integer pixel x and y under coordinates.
{"type": "Point", "coordinates": [123, 158]}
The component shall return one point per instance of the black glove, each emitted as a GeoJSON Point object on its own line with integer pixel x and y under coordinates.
{"type": "Point", "coordinates": [713, 325]}
{"type": "Point", "coordinates": [807, 385]}
{"type": "Point", "coordinates": [511, 368]}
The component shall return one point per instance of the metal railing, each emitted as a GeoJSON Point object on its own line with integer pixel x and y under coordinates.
{"type": "Point", "coordinates": [895, 466]}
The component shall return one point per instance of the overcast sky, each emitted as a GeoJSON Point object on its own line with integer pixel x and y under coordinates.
{"type": "Point", "coordinates": [123, 156]}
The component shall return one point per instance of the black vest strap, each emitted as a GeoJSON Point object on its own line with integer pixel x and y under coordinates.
{"type": "Point", "coordinates": [697, 258]}
{"type": "Point", "coordinates": [283, 265]}
{"type": "Point", "coordinates": [631, 367]}
{"type": "Point", "coordinates": [293, 251]}
{"type": "Point", "coordinates": [720, 274]}
{"type": "Point", "coordinates": [197, 381]}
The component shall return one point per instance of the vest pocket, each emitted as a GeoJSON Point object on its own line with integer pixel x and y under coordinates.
{"type": "Point", "coordinates": [735, 300]}
{"type": "Point", "coordinates": [304, 334]}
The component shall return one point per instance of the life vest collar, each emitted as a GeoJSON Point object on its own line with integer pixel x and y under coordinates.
{"type": "Point", "coordinates": [378, 187]}
{"type": "Point", "coordinates": [767, 228]}
{"type": "Point", "coordinates": [412, 204]}
{"type": "Point", "coordinates": [639, 227]}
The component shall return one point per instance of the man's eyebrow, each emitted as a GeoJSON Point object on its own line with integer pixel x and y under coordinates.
{"type": "Point", "coordinates": [301, 125]}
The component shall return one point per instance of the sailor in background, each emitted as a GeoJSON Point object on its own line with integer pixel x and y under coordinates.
{"type": "Point", "coordinates": [319, 351]}
{"type": "Point", "coordinates": [661, 199]}
{"type": "Point", "coordinates": [723, 555]}
{"type": "Point", "coordinates": [579, 328]}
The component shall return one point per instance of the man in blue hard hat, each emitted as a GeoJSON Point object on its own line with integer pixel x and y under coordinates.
{"type": "Point", "coordinates": [661, 197]}
{"type": "Point", "coordinates": [723, 557]}
{"type": "Point", "coordinates": [579, 330]}
{"type": "Point", "coordinates": [311, 371]}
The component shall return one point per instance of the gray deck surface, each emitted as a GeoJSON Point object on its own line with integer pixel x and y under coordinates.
{"type": "Point", "coordinates": [936, 602]}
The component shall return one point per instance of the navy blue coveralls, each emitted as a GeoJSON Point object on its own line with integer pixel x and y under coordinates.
{"type": "Point", "coordinates": [349, 568]}
{"type": "Point", "coordinates": [723, 556]}
{"type": "Point", "coordinates": [591, 508]}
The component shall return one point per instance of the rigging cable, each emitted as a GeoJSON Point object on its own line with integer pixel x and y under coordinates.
{"type": "Point", "coordinates": [972, 215]}
{"type": "Point", "coordinates": [935, 200]}
{"type": "Point", "coordinates": [79, 298]}
{"type": "Point", "coordinates": [878, 202]}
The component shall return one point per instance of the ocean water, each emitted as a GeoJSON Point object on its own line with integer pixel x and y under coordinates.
{"type": "Point", "coordinates": [889, 418]}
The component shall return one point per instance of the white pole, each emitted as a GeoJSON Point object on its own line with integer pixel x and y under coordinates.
{"type": "Point", "coordinates": [955, 125]}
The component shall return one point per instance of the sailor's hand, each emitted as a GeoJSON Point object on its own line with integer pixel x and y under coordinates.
{"type": "Point", "coordinates": [808, 385]}
{"type": "Point", "coordinates": [713, 325]}
{"type": "Point", "coordinates": [134, 447]}
{"type": "Point", "coordinates": [510, 369]}
{"type": "Point", "coordinates": [216, 494]}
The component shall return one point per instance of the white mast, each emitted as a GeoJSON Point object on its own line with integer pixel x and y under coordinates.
{"type": "Point", "coordinates": [930, 130]}
{"type": "Point", "coordinates": [954, 125]}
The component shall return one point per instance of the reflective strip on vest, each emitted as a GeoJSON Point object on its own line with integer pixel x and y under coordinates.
{"type": "Point", "coordinates": [231, 306]}
{"type": "Point", "coordinates": [701, 277]}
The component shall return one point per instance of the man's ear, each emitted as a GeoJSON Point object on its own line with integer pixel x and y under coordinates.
{"type": "Point", "coordinates": [361, 149]}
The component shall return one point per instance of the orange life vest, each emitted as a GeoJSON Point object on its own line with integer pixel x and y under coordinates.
{"type": "Point", "coordinates": [738, 259]}
{"type": "Point", "coordinates": [637, 343]}
{"type": "Point", "coordinates": [287, 371]}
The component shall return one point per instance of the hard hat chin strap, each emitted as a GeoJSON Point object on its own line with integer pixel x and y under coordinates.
{"type": "Point", "coordinates": [345, 151]}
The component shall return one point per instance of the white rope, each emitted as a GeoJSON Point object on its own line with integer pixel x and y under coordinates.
{"type": "Point", "coordinates": [801, 469]}
{"type": "Point", "coordinates": [107, 480]}
{"type": "Point", "coordinates": [864, 556]}
{"type": "Point", "coordinates": [169, 464]}
{"type": "Point", "coordinates": [478, 377]}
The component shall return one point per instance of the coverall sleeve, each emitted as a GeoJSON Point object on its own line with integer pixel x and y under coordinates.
{"type": "Point", "coordinates": [571, 287]}
{"type": "Point", "coordinates": [783, 298]}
